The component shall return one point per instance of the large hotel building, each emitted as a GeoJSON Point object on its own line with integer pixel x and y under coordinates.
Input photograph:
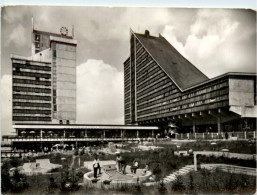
{"type": "Point", "coordinates": [163, 88]}
{"type": "Point", "coordinates": [44, 85]}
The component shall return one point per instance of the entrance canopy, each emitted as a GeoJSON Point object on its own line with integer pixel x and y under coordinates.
{"type": "Point", "coordinates": [82, 126]}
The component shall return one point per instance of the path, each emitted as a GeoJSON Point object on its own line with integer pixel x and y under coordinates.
{"type": "Point", "coordinates": [224, 167]}
{"type": "Point", "coordinates": [173, 176]}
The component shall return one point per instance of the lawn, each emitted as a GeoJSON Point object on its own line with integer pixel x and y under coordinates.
{"type": "Point", "coordinates": [246, 147]}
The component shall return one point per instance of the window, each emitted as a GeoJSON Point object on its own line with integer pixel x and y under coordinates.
{"type": "Point", "coordinates": [37, 37]}
{"type": "Point", "coordinates": [37, 45]}
{"type": "Point", "coordinates": [184, 97]}
{"type": "Point", "coordinates": [191, 104]}
{"type": "Point", "coordinates": [213, 100]}
{"type": "Point", "coordinates": [54, 53]}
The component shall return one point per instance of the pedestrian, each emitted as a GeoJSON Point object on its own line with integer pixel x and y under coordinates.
{"type": "Point", "coordinates": [118, 160]}
{"type": "Point", "coordinates": [95, 167]}
{"type": "Point", "coordinates": [98, 166]}
{"type": "Point", "coordinates": [146, 168]}
{"type": "Point", "coordinates": [134, 166]}
{"type": "Point", "coordinates": [123, 165]}
{"type": "Point", "coordinates": [226, 135]}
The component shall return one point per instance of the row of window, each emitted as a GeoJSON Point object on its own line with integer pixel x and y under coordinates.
{"type": "Point", "coordinates": [155, 90]}
{"type": "Point", "coordinates": [31, 67]}
{"type": "Point", "coordinates": [22, 70]}
{"type": "Point", "coordinates": [153, 71]}
{"type": "Point", "coordinates": [157, 85]}
{"type": "Point", "coordinates": [156, 94]}
{"type": "Point", "coordinates": [167, 112]}
{"type": "Point", "coordinates": [206, 90]}
{"type": "Point", "coordinates": [31, 111]}
{"type": "Point", "coordinates": [151, 84]}
{"type": "Point", "coordinates": [27, 104]}
{"type": "Point", "coordinates": [32, 89]}
{"type": "Point", "coordinates": [31, 97]}
{"type": "Point", "coordinates": [194, 101]}
{"type": "Point", "coordinates": [147, 80]}
{"type": "Point", "coordinates": [163, 106]}
{"type": "Point", "coordinates": [184, 100]}
{"type": "Point", "coordinates": [34, 82]}
{"type": "Point", "coordinates": [150, 65]}
{"type": "Point", "coordinates": [27, 118]}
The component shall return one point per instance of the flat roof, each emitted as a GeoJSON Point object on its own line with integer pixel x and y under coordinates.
{"type": "Point", "coordinates": [236, 74]}
{"type": "Point", "coordinates": [81, 126]}
{"type": "Point", "coordinates": [23, 58]}
{"type": "Point", "coordinates": [51, 33]}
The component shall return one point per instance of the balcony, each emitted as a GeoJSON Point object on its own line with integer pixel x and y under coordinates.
{"type": "Point", "coordinates": [61, 138]}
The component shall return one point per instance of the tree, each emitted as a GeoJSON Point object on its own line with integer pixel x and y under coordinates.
{"type": "Point", "coordinates": [52, 185]}
{"type": "Point", "coordinates": [18, 181]}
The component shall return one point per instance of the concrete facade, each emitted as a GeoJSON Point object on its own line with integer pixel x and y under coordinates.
{"type": "Point", "coordinates": [64, 80]}
{"type": "Point", "coordinates": [162, 88]}
{"type": "Point", "coordinates": [53, 86]}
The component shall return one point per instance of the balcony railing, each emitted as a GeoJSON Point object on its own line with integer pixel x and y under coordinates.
{"type": "Point", "coordinates": [71, 138]}
{"type": "Point", "coordinates": [222, 135]}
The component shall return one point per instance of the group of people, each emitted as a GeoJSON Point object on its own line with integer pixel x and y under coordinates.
{"type": "Point", "coordinates": [122, 165]}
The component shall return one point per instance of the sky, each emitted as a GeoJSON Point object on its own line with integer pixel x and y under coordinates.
{"type": "Point", "coordinates": [216, 41]}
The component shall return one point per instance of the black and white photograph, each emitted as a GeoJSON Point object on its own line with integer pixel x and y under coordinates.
{"type": "Point", "coordinates": [128, 100]}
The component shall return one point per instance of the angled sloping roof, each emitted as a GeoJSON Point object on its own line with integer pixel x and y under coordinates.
{"type": "Point", "coordinates": [181, 71]}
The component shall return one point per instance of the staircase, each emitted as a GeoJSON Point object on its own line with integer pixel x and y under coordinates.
{"type": "Point", "coordinates": [172, 177]}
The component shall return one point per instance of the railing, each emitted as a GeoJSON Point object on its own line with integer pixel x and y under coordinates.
{"type": "Point", "coordinates": [37, 138]}
{"type": "Point", "coordinates": [209, 136]}
{"type": "Point", "coordinates": [231, 168]}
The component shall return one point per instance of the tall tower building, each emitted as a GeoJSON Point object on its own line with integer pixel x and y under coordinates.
{"type": "Point", "coordinates": [44, 84]}
{"type": "Point", "coordinates": [163, 88]}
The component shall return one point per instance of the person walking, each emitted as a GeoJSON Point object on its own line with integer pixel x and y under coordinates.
{"type": "Point", "coordinates": [98, 166]}
{"type": "Point", "coordinates": [95, 167]}
{"type": "Point", "coordinates": [118, 160]}
{"type": "Point", "coordinates": [123, 165]}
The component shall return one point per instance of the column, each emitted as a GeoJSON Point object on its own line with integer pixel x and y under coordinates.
{"type": "Point", "coordinates": [85, 133]}
{"type": "Point", "coordinates": [121, 133]}
{"type": "Point", "coordinates": [137, 133]}
{"type": "Point", "coordinates": [193, 126]}
{"type": "Point", "coordinates": [41, 134]}
{"type": "Point", "coordinates": [195, 161]}
{"type": "Point", "coordinates": [64, 133]}
{"type": "Point", "coordinates": [219, 125]}
{"type": "Point", "coordinates": [103, 133]}
{"type": "Point", "coordinates": [152, 133]}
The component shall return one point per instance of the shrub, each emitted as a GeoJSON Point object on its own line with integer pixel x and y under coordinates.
{"type": "Point", "coordinates": [178, 185]}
